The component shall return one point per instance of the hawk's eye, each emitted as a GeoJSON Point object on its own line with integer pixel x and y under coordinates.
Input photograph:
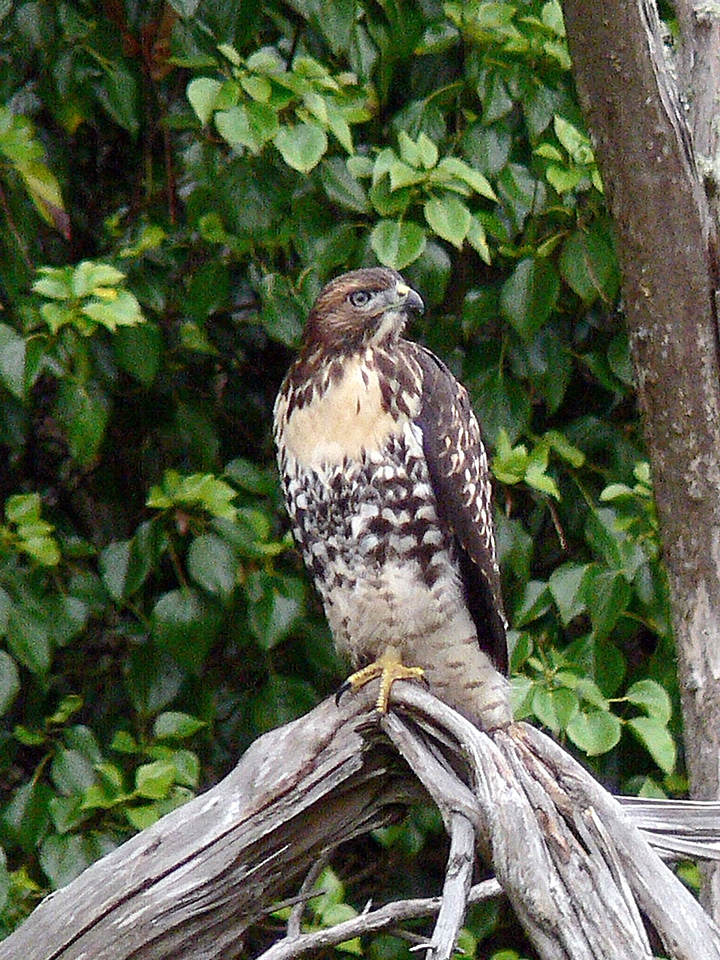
{"type": "Point", "coordinates": [360, 298]}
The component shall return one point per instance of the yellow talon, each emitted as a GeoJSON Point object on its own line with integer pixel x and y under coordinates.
{"type": "Point", "coordinates": [389, 668]}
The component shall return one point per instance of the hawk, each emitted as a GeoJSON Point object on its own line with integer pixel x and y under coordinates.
{"type": "Point", "coordinates": [386, 482]}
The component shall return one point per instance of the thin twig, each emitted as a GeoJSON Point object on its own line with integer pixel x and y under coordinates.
{"type": "Point", "coordinates": [304, 894]}
{"type": "Point", "coordinates": [380, 919]}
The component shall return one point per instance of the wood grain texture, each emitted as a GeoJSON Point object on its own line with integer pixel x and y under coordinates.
{"type": "Point", "coordinates": [669, 259]}
{"type": "Point", "coordinates": [577, 872]}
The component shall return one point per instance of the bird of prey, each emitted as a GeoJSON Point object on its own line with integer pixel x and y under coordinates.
{"type": "Point", "coordinates": [386, 482]}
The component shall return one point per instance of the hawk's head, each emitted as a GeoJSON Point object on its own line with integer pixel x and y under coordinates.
{"type": "Point", "coordinates": [361, 307]}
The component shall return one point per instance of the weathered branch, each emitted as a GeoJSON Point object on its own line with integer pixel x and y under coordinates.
{"type": "Point", "coordinates": [192, 884]}
{"type": "Point", "coordinates": [576, 870]}
{"type": "Point", "coordinates": [388, 917]}
{"type": "Point", "coordinates": [669, 260]}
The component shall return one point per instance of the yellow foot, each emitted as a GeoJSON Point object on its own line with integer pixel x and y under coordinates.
{"type": "Point", "coordinates": [389, 668]}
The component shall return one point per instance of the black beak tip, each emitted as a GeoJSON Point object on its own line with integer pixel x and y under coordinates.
{"type": "Point", "coordinates": [413, 300]}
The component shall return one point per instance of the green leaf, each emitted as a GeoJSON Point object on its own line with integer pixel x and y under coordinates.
{"type": "Point", "coordinates": [342, 187]}
{"type": "Point", "coordinates": [251, 477]}
{"type": "Point", "coordinates": [564, 179]}
{"type": "Point", "coordinates": [67, 708]}
{"type": "Point", "coordinates": [203, 94]}
{"type": "Point", "coordinates": [72, 772]}
{"type": "Point", "coordinates": [554, 708]}
{"type": "Point", "coordinates": [302, 146]}
{"type": "Point", "coordinates": [575, 141]}
{"type": "Point", "coordinates": [259, 88]}
{"type": "Point", "coordinates": [153, 679]}
{"type": "Point", "coordinates": [115, 309]}
{"type": "Point", "coordinates": [114, 564]}
{"type": "Point", "coordinates": [250, 125]}
{"type": "Point", "coordinates": [212, 565]}
{"type": "Point", "coordinates": [472, 177]}
{"type": "Point", "coordinates": [403, 175]}
{"type": "Point", "coordinates": [275, 604]}
{"type": "Point", "coordinates": [397, 243]}
{"type": "Point", "coordinates": [26, 815]}
{"type": "Point", "coordinates": [9, 681]}
{"type": "Point", "coordinates": [594, 731]}
{"type": "Point", "coordinates": [562, 446]}
{"type": "Point", "coordinates": [388, 202]}
{"type": "Point", "coordinates": [412, 153]}
{"type": "Point", "coordinates": [187, 767]}
{"type": "Point", "coordinates": [44, 191]}
{"type": "Point", "coordinates": [477, 238]}
{"type": "Point", "coordinates": [509, 463]}
{"type": "Point", "coordinates": [607, 594]}
{"type": "Point", "coordinates": [520, 193]}
{"type": "Point", "coordinates": [89, 276]}
{"type": "Point", "coordinates": [656, 738]}
{"type": "Point", "coordinates": [42, 549]}
{"type": "Point", "coordinates": [29, 641]}
{"type": "Point", "coordinates": [588, 266]}
{"type": "Point", "coordinates": [339, 126]}
{"type": "Point", "coordinates": [83, 410]}
{"type": "Point", "coordinates": [543, 705]}
{"type": "Point", "coordinates": [565, 585]}
{"type": "Point", "coordinates": [503, 403]}
{"type": "Point", "coordinates": [201, 490]}
{"type": "Point", "coordinates": [6, 606]}
{"type": "Point", "coordinates": [55, 283]}
{"type": "Point", "coordinates": [449, 218]}
{"type": "Point", "coordinates": [529, 295]}
{"type": "Point", "coordinates": [139, 351]}
{"type": "Point", "coordinates": [535, 602]}
{"type": "Point", "coordinates": [153, 780]}
{"type": "Point", "coordinates": [119, 96]}
{"type": "Point", "coordinates": [185, 625]}
{"type": "Point", "coordinates": [536, 477]}
{"type": "Point", "coordinates": [653, 698]}
{"type": "Point", "coordinates": [602, 533]}
{"type": "Point", "coordinates": [176, 726]}
{"type": "Point", "coordinates": [185, 8]}
{"type": "Point", "coordinates": [22, 508]}
{"type": "Point", "coordinates": [12, 361]}
{"type": "Point", "coordinates": [65, 857]}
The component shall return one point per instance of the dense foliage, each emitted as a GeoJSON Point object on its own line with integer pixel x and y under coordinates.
{"type": "Point", "coordinates": [177, 181]}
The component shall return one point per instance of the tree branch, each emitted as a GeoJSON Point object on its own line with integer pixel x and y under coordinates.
{"type": "Point", "coordinates": [576, 870]}
{"type": "Point", "coordinates": [384, 918]}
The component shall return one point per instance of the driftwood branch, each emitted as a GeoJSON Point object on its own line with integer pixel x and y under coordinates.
{"type": "Point", "coordinates": [581, 877]}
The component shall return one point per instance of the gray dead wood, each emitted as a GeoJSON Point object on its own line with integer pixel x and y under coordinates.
{"type": "Point", "coordinates": [577, 871]}
{"type": "Point", "coordinates": [669, 259]}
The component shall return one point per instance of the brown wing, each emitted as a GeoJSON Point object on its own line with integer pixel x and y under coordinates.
{"type": "Point", "coordinates": [459, 473]}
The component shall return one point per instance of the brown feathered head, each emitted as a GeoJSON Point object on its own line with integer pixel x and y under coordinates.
{"type": "Point", "coordinates": [361, 307]}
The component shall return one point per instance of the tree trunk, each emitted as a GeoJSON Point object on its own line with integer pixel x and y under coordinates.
{"type": "Point", "coordinates": [668, 257]}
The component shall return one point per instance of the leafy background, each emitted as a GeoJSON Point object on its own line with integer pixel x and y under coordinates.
{"type": "Point", "coordinates": [177, 181]}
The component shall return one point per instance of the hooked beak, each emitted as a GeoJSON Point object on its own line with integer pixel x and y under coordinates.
{"type": "Point", "coordinates": [409, 298]}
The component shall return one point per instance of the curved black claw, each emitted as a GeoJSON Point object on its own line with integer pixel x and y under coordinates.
{"type": "Point", "coordinates": [343, 688]}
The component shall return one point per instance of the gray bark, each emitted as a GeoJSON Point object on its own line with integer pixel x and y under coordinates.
{"type": "Point", "coordinates": [699, 78]}
{"type": "Point", "coordinates": [668, 257]}
{"type": "Point", "coordinates": [577, 872]}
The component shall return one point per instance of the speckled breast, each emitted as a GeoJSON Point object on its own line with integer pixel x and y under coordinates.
{"type": "Point", "coordinates": [364, 513]}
